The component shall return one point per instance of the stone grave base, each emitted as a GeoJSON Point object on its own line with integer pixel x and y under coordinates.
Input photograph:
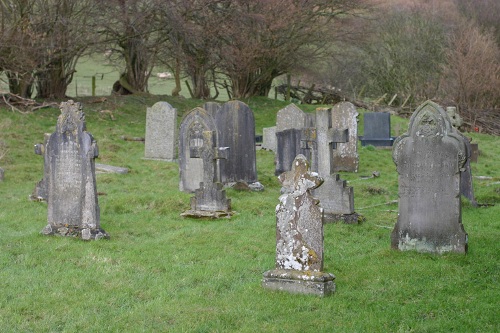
{"type": "Point", "coordinates": [299, 282]}
{"type": "Point", "coordinates": [76, 232]}
{"type": "Point", "coordinates": [207, 214]}
{"type": "Point", "coordinates": [353, 218]}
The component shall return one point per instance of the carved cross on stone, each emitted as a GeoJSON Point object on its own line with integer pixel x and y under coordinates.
{"type": "Point", "coordinates": [210, 198]}
{"type": "Point", "coordinates": [206, 150]}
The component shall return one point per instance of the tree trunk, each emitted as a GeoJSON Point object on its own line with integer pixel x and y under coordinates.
{"type": "Point", "coordinates": [21, 85]}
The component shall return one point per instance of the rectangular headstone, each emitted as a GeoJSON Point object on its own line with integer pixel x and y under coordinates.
{"type": "Point", "coordinates": [345, 155]}
{"type": "Point", "coordinates": [377, 130]}
{"type": "Point", "coordinates": [161, 132]}
{"type": "Point", "coordinates": [428, 159]}
{"type": "Point", "coordinates": [269, 138]}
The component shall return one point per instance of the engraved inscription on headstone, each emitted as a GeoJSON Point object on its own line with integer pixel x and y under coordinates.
{"type": "Point", "coordinates": [299, 236]}
{"type": "Point", "coordinates": [429, 158]}
{"type": "Point", "coordinates": [161, 132]}
{"type": "Point", "coordinates": [72, 204]}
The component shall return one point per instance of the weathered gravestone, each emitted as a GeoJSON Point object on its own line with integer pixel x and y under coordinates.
{"type": "Point", "coordinates": [345, 155]}
{"type": "Point", "coordinates": [40, 193]}
{"type": "Point", "coordinates": [161, 132]}
{"type": "Point", "coordinates": [466, 185]}
{"type": "Point", "coordinates": [299, 236]}
{"type": "Point", "coordinates": [428, 159]}
{"type": "Point", "coordinates": [269, 138]}
{"type": "Point", "coordinates": [73, 209]}
{"type": "Point", "coordinates": [377, 130]}
{"type": "Point", "coordinates": [210, 198]}
{"type": "Point", "coordinates": [290, 125]}
{"type": "Point", "coordinates": [191, 131]}
{"type": "Point", "coordinates": [235, 124]}
{"type": "Point", "coordinates": [337, 199]}
{"type": "Point", "coordinates": [2, 172]}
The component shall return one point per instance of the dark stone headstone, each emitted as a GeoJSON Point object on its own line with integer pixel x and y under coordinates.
{"type": "Point", "coordinates": [70, 152]}
{"type": "Point", "coordinates": [466, 185]}
{"type": "Point", "coordinates": [235, 123]}
{"type": "Point", "coordinates": [210, 198]}
{"type": "Point", "coordinates": [299, 236]}
{"type": "Point", "coordinates": [428, 159]}
{"type": "Point", "coordinates": [191, 131]}
{"type": "Point", "coordinates": [474, 154]}
{"type": "Point", "coordinates": [2, 173]}
{"type": "Point", "coordinates": [377, 130]}
{"type": "Point", "coordinates": [161, 132]}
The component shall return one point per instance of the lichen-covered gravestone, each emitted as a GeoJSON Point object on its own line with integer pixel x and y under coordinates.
{"type": "Point", "coordinates": [299, 236]}
{"type": "Point", "coordinates": [70, 151]}
{"type": "Point", "coordinates": [161, 132]}
{"type": "Point", "coordinates": [429, 158]}
{"type": "Point", "coordinates": [210, 198]}
{"type": "Point", "coordinates": [345, 155]}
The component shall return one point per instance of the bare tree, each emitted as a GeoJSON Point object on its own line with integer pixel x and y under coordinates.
{"type": "Point", "coordinates": [126, 28]}
{"type": "Point", "coordinates": [472, 70]}
{"type": "Point", "coordinates": [41, 42]}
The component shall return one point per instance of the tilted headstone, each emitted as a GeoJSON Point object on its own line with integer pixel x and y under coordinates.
{"type": "Point", "coordinates": [337, 199]}
{"type": "Point", "coordinates": [345, 155]}
{"type": "Point", "coordinates": [299, 236]}
{"type": "Point", "coordinates": [429, 158]}
{"type": "Point", "coordinates": [269, 138]}
{"type": "Point", "coordinates": [191, 131]}
{"type": "Point", "coordinates": [235, 123]}
{"type": "Point", "coordinates": [210, 198]}
{"type": "Point", "coordinates": [377, 130]}
{"type": "Point", "coordinates": [70, 152]}
{"type": "Point", "coordinates": [161, 132]}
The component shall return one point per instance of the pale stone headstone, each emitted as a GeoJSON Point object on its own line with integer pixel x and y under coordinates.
{"type": "Point", "coordinates": [290, 117]}
{"type": "Point", "coordinates": [269, 138]}
{"type": "Point", "coordinates": [337, 199]}
{"type": "Point", "coordinates": [210, 198]}
{"type": "Point", "coordinates": [235, 123]}
{"type": "Point", "coordinates": [377, 130]}
{"type": "Point", "coordinates": [299, 236]}
{"type": "Point", "coordinates": [161, 132]}
{"type": "Point", "coordinates": [345, 155]}
{"type": "Point", "coordinates": [70, 152]}
{"type": "Point", "coordinates": [191, 131]}
{"type": "Point", "coordinates": [456, 120]}
{"type": "Point", "coordinates": [429, 158]}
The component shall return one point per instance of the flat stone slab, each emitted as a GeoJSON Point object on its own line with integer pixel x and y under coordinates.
{"type": "Point", "coordinates": [104, 168]}
{"type": "Point", "coordinates": [299, 282]}
{"type": "Point", "coordinates": [207, 214]}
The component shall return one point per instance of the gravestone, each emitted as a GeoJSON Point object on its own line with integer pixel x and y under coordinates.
{"type": "Point", "coordinates": [291, 124]}
{"type": "Point", "coordinates": [337, 199]}
{"type": "Point", "coordinates": [210, 198]}
{"type": "Point", "coordinates": [428, 159]}
{"type": "Point", "coordinates": [345, 155]}
{"type": "Point", "coordinates": [456, 120]}
{"type": "Point", "coordinates": [269, 138]}
{"type": "Point", "coordinates": [2, 173]}
{"type": "Point", "coordinates": [235, 123]}
{"type": "Point", "coordinates": [193, 124]}
{"type": "Point", "coordinates": [474, 153]}
{"type": "Point", "coordinates": [466, 185]}
{"type": "Point", "coordinates": [40, 193]}
{"type": "Point", "coordinates": [161, 132]}
{"type": "Point", "coordinates": [377, 130]}
{"type": "Point", "coordinates": [299, 236]}
{"type": "Point", "coordinates": [70, 152]}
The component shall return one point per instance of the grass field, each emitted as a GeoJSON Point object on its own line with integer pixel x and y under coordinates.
{"type": "Point", "coordinates": [163, 273]}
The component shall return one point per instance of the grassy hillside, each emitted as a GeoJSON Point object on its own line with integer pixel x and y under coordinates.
{"type": "Point", "coordinates": [163, 273]}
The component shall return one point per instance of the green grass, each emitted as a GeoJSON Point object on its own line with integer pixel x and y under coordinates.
{"type": "Point", "coordinates": [163, 273]}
